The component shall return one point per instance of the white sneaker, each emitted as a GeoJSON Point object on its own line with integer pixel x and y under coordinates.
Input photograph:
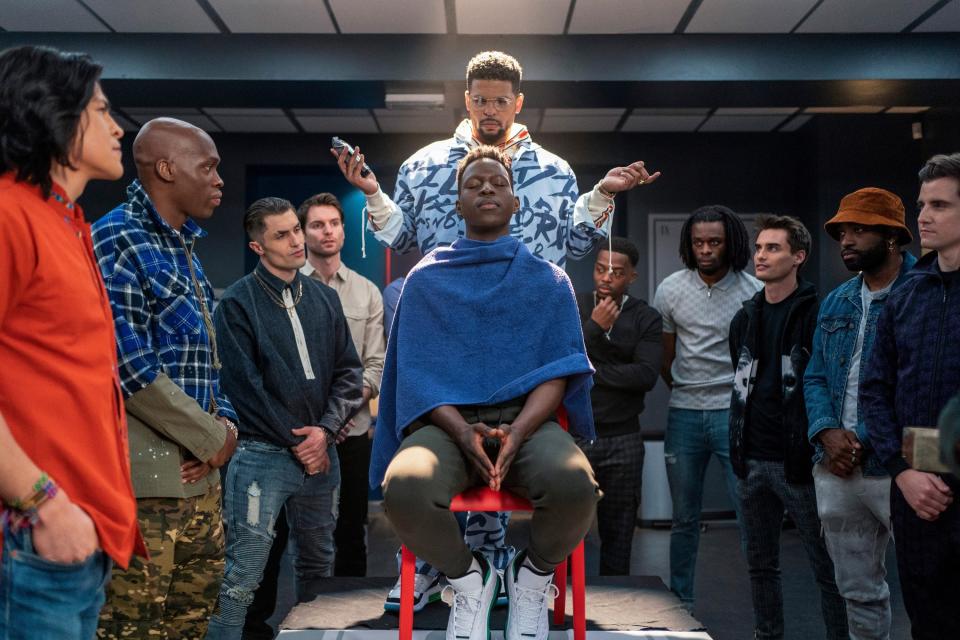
{"type": "Point", "coordinates": [530, 594]}
{"type": "Point", "coordinates": [473, 597]}
{"type": "Point", "coordinates": [426, 589]}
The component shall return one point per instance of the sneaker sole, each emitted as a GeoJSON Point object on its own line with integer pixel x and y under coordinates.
{"type": "Point", "coordinates": [395, 607]}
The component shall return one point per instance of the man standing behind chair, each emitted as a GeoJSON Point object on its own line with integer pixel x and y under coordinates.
{"type": "Point", "coordinates": [853, 489]}
{"type": "Point", "coordinates": [181, 424]}
{"type": "Point", "coordinates": [321, 218]}
{"type": "Point", "coordinates": [291, 367]}
{"type": "Point", "coordinates": [697, 305]}
{"type": "Point", "coordinates": [553, 221]}
{"type": "Point", "coordinates": [770, 341]}
{"type": "Point", "coordinates": [912, 373]}
{"type": "Point", "coordinates": [623, 340]}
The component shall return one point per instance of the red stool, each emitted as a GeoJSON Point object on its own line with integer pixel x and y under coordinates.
{"type": "Point", "coordinates": [485, 499]}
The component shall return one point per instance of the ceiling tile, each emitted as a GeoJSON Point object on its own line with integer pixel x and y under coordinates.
{"type": "Point", "coordinates": [562, 120]}
{"type": "Point", "coordinates": [275, 16]}
{"type": "Point", "coordinates": [614, 113]}
{"type": "Point", "coordinates": [336, 125]}
{"type": "Point", "coordinates": [193, 116]}
{"type": "Point", "coordinates": [415, 122]}
{"type": "Point", "coordinates": [755, 111]}
{"type": "Point", "coordinates": [230, 111]}
{"type": "Point", "coordinates": [48, 15]}
{"type": "Point", "coordinates": [864, 16]}
{"type": "Point", "coordinates": [509, 16]}
{"type": "Point", "coordinates": [330, 112]}
{"type": "Point", "coordinates": [150, 16]}
{"type": "Point", "coordinates": [662, 123]}
{"type": "Point", "coordinates": [627, 16]}
{"type": "Point", "coordinates": [796, 123]}
{"type": "Point", "coordinates": [946, 19]}
{"type": "Point", "coordinates": [862, 108]}
{"type": "Point", "coordinates": [256, 124]}
{"type": "Point", "coordinates": [907, 109]}
{"type": "Point", "coordinates": [389, 16]}
{"type": "Point", "coordinates": [741, 123]}
{"type": "Point", "coordinates": [694, 111]}
{"type": "Point", "coordinates": [748, 16]}
{"type": "Point", "coordinates": [127, 125]}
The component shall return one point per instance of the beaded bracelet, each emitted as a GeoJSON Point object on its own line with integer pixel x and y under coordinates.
{"type": "Point", "coordinates": [24, 513]}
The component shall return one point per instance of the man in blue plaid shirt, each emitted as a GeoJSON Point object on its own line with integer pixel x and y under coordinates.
{"type": "Point", "coordinates": [180, 423]}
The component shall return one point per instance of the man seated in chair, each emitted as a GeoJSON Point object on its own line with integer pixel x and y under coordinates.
{"type": "Point", "coordinates": [486, 345]}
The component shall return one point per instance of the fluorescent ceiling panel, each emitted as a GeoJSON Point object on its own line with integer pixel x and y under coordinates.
{"type": "Point", "coordinates": [748, 16]}
{"type": "Point", "coordinates": [741, 123]}
{"type": "Point", "coordinates": [662, 123]}
{"type": "Point", "coordinates": [755, 111]}
{"type": "Point", "coordinates": [864, 16]}
{"type": "Point", "coordinates": [390, 16]}
{"type": "Point", "coordinates": [337, 125]}
{"type": "Point", "coordinates": [509, 16]}
{"type": "Point", "coordinates": [946, 19]}
{"type": "Point", "coordinates": [562, 120]}
{"type": "Point", "coordinates": [853, 109]}
{"type": "Point", "coordinates": [416, 122]}
{"type": "Point", "coordinates": [627, 16]}
{"type": "Point", "coordinates": [47, 15]}
{"type": "Point", "coordinates": [151, 16]}
{"type": "Point", "coordinates": [907, 109]}
{"type": "Point", "coordinates": [796, 123]}
{"type": "Point", "coordinates": [274, 16]}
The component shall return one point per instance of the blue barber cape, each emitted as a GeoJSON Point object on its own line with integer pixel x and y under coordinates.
{"type": "Point", "coordinates": [480, 323]}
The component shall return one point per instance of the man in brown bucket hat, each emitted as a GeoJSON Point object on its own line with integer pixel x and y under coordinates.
{"type": "Point", "coordinates": [853, 488]}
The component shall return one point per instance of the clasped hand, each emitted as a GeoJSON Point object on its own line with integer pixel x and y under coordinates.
{"type": "Point", "coordinates": [470, 438]}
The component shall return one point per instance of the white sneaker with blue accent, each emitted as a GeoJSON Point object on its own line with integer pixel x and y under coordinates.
{"type": "Point", "coordinates": [530, 592]}
{"type": "Point", "coordinates": [426, 589]}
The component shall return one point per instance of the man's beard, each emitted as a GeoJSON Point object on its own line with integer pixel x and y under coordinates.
{"type": "Point", "coordinates": [490, 138]}
{"type": "Point", "coordinates": [869, 259]}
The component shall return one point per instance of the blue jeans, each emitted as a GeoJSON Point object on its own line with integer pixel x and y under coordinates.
{"type": "Point", "coordinates": [261, 479]}
{"type": "Point", "coordinates": [692, 436]}
{"type": "Point", "coordinates": [44, 600]}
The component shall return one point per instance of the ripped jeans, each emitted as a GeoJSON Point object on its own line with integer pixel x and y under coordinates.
{"type": "Point", "coordinates": [260, 480]}
{"type": "Point", "coordinates": [693, 435]}
{"type": "Point", "coordinates": [855, 515]}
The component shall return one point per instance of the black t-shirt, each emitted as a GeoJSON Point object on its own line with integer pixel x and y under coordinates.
{"type": "Point", "coordinates": [764, 427]}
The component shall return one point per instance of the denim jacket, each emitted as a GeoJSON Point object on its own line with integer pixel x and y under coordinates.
{"type": "Point", "coordinates": [825, 380]}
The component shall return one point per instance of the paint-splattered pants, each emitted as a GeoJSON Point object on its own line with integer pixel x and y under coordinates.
{"type": "Point", "coordinates": [260, 479]}
{"type": "Point", "coordinates": [171, 595]}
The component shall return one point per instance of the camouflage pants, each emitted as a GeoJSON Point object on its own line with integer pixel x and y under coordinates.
{"type": "Point", "coordinates": [172, 595]}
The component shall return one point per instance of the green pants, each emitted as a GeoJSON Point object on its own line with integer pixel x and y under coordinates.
{"type": "Point", "coordinates": [172, 595]}
{"type": "Point", "coordinates": [429, 469]}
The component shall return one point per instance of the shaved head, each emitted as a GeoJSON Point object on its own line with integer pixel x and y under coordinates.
{"type": "Point", "coordinates": [164, 139]}
{"type": "Point", "coordinates": [177, 165]}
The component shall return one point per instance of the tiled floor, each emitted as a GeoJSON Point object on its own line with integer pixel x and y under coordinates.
{"type": "Point", "coordinates": [723, 587]}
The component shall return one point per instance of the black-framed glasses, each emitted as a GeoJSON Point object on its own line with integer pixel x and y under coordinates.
{"type": "Point", "coordinates": [500, 104]}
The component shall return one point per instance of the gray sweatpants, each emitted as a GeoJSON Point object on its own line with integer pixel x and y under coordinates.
{"type": "Point", "coordinates": [855, 514]}
{"type": "Point", "coordinates": [429, 469]}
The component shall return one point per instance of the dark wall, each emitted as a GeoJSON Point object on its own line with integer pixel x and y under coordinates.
{"type": "Point", "coordinates": [804, 173]}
